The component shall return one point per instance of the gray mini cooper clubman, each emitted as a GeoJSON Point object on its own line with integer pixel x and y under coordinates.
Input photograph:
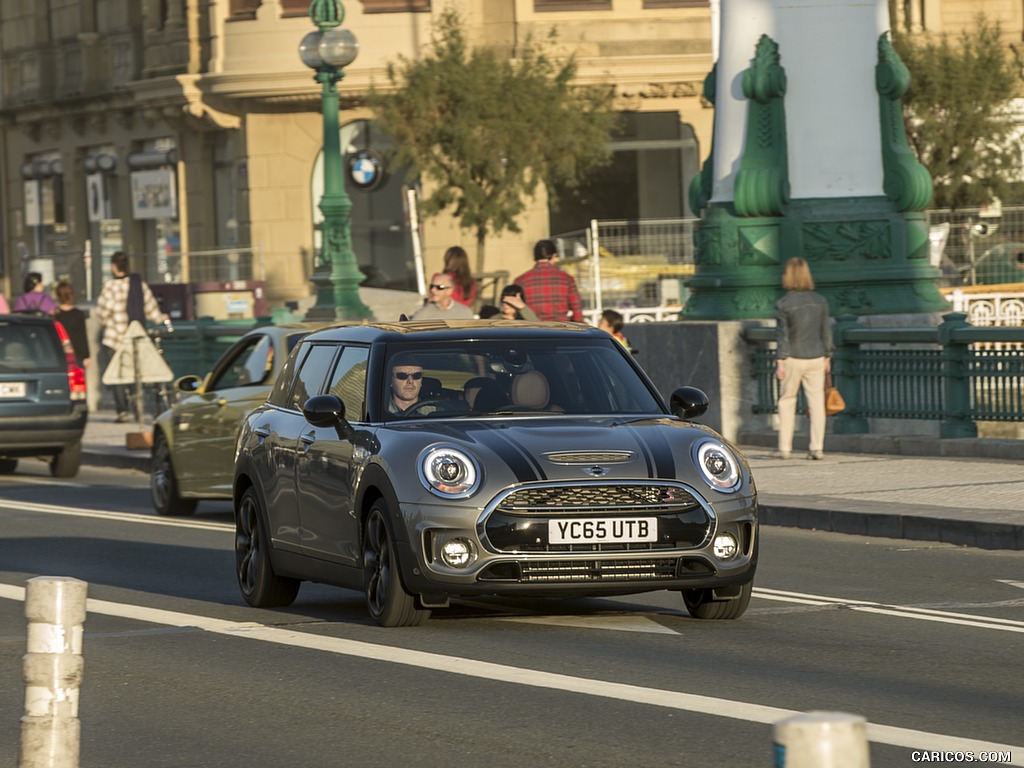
{"type": "Point", "coordinates": [420, 461]}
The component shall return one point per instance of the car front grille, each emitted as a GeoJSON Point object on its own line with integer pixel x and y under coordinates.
{"type": "Point", "coordinates": [518, 521]}
{"type": "Point", "coordinates": [597, 498]}
{"type": "Point", "coordinates": [590, 571]}
{"type": "Point", "coordinates": [596, 570]}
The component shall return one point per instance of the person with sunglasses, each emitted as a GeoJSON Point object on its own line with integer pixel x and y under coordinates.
{"type": "Point", "coordinates": [440, 304]}
{"type": "Point", "coordinates": [406, 383]}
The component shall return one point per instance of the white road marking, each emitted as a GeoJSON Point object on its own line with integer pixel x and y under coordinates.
{"type": "Point", "coordinates": [121, 517]}
{"type": "Point", "coordinates": [1011, 583]}
{"type": "Point", "coordinates": [454, 665]}
{"type": "Point", "coordinates": [901, 611]}
{"type": "Point", "coordinates": [624, 623]}
{"type": "Point", "coordinates": [43, 480]}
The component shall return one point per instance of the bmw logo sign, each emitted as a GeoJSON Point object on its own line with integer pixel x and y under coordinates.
{"type": "Point", "coordinates": [365, 168]}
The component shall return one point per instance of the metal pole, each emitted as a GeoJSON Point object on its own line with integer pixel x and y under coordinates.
{"type": "Point", "coordinates": [595, 244]}
{"type": "Point", "coordinates": [50, 729]}
{"type": "Point", "coordinates": [136, 368]}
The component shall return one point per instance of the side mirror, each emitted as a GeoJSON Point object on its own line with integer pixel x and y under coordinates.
{"type": "Point", "coordinates": [689, 403]}
{"type": "Point", "coordinates": [188, 384]}
{"type": "Point", "coordinates": [325, 411]}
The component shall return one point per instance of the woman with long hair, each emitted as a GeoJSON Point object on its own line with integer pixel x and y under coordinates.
{"type": "Point", "coordinates": [456, 264]}
{"type": "Point", "coordinates": [803, 335]}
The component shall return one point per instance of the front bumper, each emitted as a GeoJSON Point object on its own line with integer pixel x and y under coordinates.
{"type": "Point", "coordinates": [39, 435]}
{"type": "Point", "coordinates": [512, 554]}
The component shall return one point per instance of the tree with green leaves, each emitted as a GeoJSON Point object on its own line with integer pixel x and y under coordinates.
{"type": "Point", "coordinates": [958, 112]}
{"type": "Point", "coordinates": [482, 129]}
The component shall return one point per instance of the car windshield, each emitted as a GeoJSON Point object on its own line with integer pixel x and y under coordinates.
{"type": "Point", "coordinates": [477, 378]}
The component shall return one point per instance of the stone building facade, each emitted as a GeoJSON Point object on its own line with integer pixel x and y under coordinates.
{"type": "Point", "coordinates": [188, 133]}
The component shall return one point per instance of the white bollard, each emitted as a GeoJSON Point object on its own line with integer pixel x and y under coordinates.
{"type": "Point", "coordinates": [822, 740]}
{"type": "Point", "coordinates": [50, 729]}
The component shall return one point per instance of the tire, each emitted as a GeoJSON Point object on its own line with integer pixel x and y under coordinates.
{"type": "Point", "coordinates": [261, 587]}
{"type": "Point", "coordinates": [67, 462]}
{"type": "Point", "coordinates": [700, 604]}
{"type": "Point", "coordinates": [7, 466]}
{"type": "Point", "coordinates": [163, 483]}
{"type": "Point", "coordinates": [386, 599]}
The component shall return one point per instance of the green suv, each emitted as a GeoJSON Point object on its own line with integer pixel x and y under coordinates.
{"type": "Point", "coordinates": [43, 409]}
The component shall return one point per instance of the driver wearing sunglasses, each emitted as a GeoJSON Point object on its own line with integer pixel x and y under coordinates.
{"type": "Point", "coordinates": [406, 381]}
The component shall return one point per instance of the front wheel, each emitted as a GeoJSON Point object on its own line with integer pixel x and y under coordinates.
{"type": "Point", "coordinates": [261, 587]}
{"type": "Point", "coordinates": [386, 598]}
{"type": "Point", "coordinates": [163, 483]}
{"type": "Point", "coordinates": [701, 603]}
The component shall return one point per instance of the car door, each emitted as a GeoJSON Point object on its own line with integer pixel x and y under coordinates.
{"type": "Point", "coordinates": [327, 460]}
{"type": "Point", "coordinates": [207, 425]}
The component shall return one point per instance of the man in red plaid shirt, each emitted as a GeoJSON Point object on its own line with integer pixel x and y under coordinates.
{"type": "Point", "coordinates": [550, 292]}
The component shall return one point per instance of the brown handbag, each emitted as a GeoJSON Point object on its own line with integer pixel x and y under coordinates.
{"type": "Point", "coordinates": [834, 402]}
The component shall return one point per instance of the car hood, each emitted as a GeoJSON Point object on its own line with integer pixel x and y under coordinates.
{"type": "Point", "coordinates": [522, 450]}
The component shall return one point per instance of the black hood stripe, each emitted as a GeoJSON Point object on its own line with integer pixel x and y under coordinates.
{"type": "Point", "coordinates": [518, 459]}
{"type": "Point", "coordinates": [656, 447]}
{"type": "Point", "coordinates": [644, 450]}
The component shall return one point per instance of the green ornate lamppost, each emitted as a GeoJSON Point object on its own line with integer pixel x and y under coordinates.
{"type": "Point", "coordinates": [328, 50]}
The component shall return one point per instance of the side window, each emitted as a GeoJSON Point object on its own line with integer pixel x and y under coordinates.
{"type": "Point", "coordinates": [234, 370]}
{"type": "Point", "coordinates": [312, 373]}
{"type": "Point", "coordinates": [349, 382]}
{"type": "Point", "coordinates": [283, 385]}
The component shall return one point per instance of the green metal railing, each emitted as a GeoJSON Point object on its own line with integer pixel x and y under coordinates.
{"type": "Point", "coordinates": [953, 373]}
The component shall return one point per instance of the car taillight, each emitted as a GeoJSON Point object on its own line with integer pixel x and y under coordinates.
{"type": "Point", "coordinates": [76, 374]}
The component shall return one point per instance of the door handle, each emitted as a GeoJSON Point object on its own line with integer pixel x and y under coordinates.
{"type": "Point", "coordinates": [307, 440]}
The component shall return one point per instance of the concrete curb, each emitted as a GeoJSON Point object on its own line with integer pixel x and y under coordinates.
{"type": "Point", "coordinates": [982, 534]}
{"type": "Point", "coordinates": [116, 459]}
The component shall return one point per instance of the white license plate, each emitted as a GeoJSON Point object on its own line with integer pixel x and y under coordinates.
{"type": "Point", "coordinates": [599, 530]}
{"type": "Point", "coordinates": [12, 389]}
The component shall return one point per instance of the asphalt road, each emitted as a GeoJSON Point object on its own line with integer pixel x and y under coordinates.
{"type": "Point", "coordinates": [925, 640]}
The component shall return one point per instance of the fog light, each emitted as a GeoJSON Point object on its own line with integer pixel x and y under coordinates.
{"type": "Point", "coordinates": [725, 546]}
{"type": "Point", "coordinates": [457, 553]}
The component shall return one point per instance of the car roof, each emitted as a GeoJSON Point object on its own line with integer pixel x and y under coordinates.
{"type": "Point", "coordinates": [440, 330]}
{"type": "Point", "coordinates": [17, 317]}
{"type": "Point", "coordinates": [284, 329]}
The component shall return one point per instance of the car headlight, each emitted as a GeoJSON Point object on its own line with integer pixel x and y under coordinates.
{"type": "Point", "coordinates": [717, 465]}
{"type": "Point", "coordinates": [449, 472]}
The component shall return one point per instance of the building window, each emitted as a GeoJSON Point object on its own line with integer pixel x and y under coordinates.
{"type": "Point", "coordinates": [572, 5]}
{"type": "Point", "coordinates": [243, 9]}
{"type": "Point", "coordinates": [395, 6]}
{"type": "Point", "coordinates": [291, 8]}
{"type": "Point", "coordinates": [655, 156]}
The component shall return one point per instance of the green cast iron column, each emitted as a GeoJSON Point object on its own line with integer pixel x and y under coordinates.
{"type": "Point", "coordinates": [337, 274]}
{"type": "Point", "coordinates": [869, 255]}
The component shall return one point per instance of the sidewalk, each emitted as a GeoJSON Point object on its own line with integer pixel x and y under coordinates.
{"type": "Point", "coordinates": [970, 492]}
